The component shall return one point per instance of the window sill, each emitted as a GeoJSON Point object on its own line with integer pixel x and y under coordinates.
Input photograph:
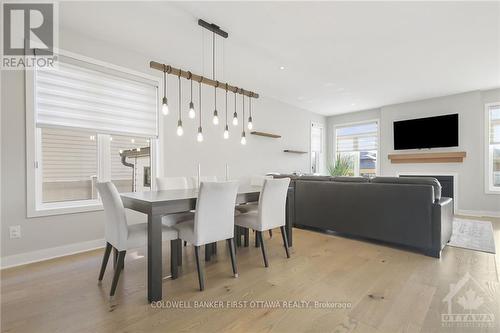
{"type": "Point", "coordinates": [490, 191]}
{"type": "Point", "coordinates": [61, 208]}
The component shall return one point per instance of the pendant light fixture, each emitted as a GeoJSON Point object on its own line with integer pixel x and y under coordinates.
{"type": "Point", "coordinates": [226, 129]}
{"type": "Point", "coordinates": [164, 104]}
{"type": "Point", "coordinates": [180, 130]}
{"type": "Point", "coordinates": [192, 112]}
{"type": "Point", "coordinates": [243, 135]}
{"type": "Point", "coordinates": [199, 137]}
{"type": "Point", "coordinates": [250, 124]}
{"type": "Point", "coordinates": [235, 114]}
{"type": "Point", "coordinates": [215, 119]}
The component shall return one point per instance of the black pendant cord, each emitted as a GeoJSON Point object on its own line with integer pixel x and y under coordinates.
{"type": "Point", "coordinates": [213, 72]}
{"type": "Point", "coordinates": [243, 114]}
{"type": "Point", "coordinates": [180, 114]}
{"type": "Point", "coordinates": [164, 83]}
{"type": "Point", "coordinates": [235, 113]}
{"type": "Point", "coordinates": [191, 90]}
{"type": "Point", "coordinates": [199, 97]}
{"type": "Point", "coordinates": [226, 105]}
{"type": "Point", "coordinates": [250, 107]}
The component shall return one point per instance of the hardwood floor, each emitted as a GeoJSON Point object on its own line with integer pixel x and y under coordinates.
{"type": "Point", "coordinates": [389, 290]}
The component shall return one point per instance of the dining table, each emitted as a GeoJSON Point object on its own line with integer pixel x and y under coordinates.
{"type": "Point", "coordinates": [156, 204]}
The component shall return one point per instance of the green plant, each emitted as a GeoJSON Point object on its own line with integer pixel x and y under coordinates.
{"type": "Point", "coordinates": [343, 166]}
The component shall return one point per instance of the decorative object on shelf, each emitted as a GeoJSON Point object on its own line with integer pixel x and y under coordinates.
{"type": "Point", "coordinates": [269, 135]}
{"type": "Point", "coordinates": [442, 157]}
{"type": "Point", "coordinates": [294, 151]}
{"type": "Point", "coordinates": [167, 69]}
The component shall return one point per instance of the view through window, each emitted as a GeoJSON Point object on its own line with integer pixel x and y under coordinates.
{"type": "Point", "coordinates": [493, 113]}
{"type": "Point", "coordinates": [356, 150]}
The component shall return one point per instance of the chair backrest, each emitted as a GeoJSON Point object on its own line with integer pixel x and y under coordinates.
{"type": "Point", "coordinates": [171, 183]}
{"type": "Point", "coordinates": [272, 202]}
{"type": "Point", "coordinates": [259, 180]}
{"type": "Point", "coordinates": [116, 228]}
{"type": "Point", "coordinates": [214, 217]}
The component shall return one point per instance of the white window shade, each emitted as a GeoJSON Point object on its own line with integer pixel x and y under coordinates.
{"type": "Point", "coordinates": [316, 139]}
{"type": "Point", "coordinates": [359, 137]}
{"type": "Point", "coordinates": [495, 124]}
{"type": "Point", "coordinates": [104, 101]}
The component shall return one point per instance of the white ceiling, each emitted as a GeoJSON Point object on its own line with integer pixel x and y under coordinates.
{"type": "Point", "coordinates": [338, 56]}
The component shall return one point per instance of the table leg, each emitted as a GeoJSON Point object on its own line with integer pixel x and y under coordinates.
{"type": "Point", "coordinates": [154, 258]}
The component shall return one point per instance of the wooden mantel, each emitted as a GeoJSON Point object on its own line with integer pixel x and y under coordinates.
{"type": "Point", "coordinates": [443, 157]}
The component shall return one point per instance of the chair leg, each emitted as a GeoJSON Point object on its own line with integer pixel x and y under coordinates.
{"type": "Point", "coordinates": [285, 241]}
{"type": "Point", "coordinates": [174, 267]}
{"type": "Point", "coordinates": [264, 255]}
{"type": "Point", "coordinates": [119, 265]}
{"type": "Point", "coordinates": [185, 243]}
{"type": "Point", "coordinates": [201, 279]}
{"type": "Point", "coordinates": [232, 252]}
{"type": "Point", "coordinates": [105, 259]}
{"type": "Point", "coordinates": [257, 236]}
{"type": "Point", "coordinates": [237, 233]}
{"type": "Point", "coordinates": [115, 257]}
{"type": "Point", "coordinates": [270, 233]}
{"type": "Point", "coordinates": [179, 252]}
{"type": "Point", "coordinates": [246, 237]}
{"type": "Point", "coordinates": [208, 252]}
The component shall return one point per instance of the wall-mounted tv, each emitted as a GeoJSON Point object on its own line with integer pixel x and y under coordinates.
{"type": "Point", "coordinates": [431, 132]}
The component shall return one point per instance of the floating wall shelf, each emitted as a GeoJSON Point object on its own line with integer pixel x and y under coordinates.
{"type": "Point", "coordinates": [294, 151]}
{"type": "Point", "coordinates": [269, 135]}
{"type": "Point", "coordinates": [448, 157]}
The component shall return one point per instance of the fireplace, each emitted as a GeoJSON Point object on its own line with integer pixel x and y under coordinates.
{"type": "Point", "coordinates": [448, 184]}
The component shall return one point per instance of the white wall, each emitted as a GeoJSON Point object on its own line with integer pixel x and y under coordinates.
{"type": "Point", "coordinates": [55, 235]}
{"type": "Point", "coordinates": [472, 198]}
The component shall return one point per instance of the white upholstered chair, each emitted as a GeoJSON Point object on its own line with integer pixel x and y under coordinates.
{"type": "Point", "coordinates": [121, 236]}
{"type": "Point", "coordinates": [193, 181]}
{"type": "Point", "coordinates": [270, 213]}
{"type": "Point", "coordinates": [174, 183]}
{"type": "Point", "coordinates": [213, 221]}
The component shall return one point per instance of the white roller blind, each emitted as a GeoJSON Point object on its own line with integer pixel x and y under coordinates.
{"type": "Point", "coordinates": [316, 139]}
{"type": "Point", "coordinates": [495, 124]}
{"type": "Point", "coordinates": [105, 101]}
{"type": "Point", "coordinates": [358, 137]}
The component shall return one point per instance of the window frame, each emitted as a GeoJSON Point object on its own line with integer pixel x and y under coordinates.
{"type": "Point", "coordinates": [320, 158]}
{"type": "Point", "coordinates": [488, 165]}
{"type": "Point", "coordinates": [34, 205]}
{"type": "Point", "coordinates": [334, 138]}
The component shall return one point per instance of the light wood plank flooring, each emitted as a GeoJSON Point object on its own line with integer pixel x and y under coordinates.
{"type": "Point", "coordinates": [389, 289]}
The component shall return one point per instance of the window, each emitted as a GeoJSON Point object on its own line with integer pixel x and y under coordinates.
{"type": "Point", "coordinates": [87, 122]}
{"type": "Point", "coordinates": [356, 149]}
{"type": "Point", "coordinates": [493, 148]}
{"type": "Point", "coordinates": [316, 147]}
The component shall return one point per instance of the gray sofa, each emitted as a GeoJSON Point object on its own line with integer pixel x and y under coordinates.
{"type": "Point", "coordinates": [406, 211]}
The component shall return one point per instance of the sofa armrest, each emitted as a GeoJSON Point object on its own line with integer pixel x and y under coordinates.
{"type": "Point", "coordinates": [442, 225]}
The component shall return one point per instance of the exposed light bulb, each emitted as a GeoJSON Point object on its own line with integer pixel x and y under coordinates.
{"type": "Point", "coordinates": [92, 138]}
{"type": "Point", "coordinates": [180, 130]}
{"type": "Point", "coordinates": [199, 137]}
{"type": "Point", "coordinates": [192, 113]}
{"type": "Point", "coordinates": [215, 119]}
{"type": "Point", "coordinates": [132, 140]}
{"type": "Point", "coordinates": [243, 139]}
{"type": "Point", "coordinates": [121, 151]}
{"type": "Point", "coordinates": [235, 119]}
{"type": "Point", "coordinates": [250, 124]}
{"type": "Point", "coordinates": [164, 106]}
{"type": "Point", "coordinates": [138, 149]}
{"type": "Point", "coordinates": [226, 133]}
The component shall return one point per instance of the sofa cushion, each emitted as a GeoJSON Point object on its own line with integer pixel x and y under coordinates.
{"type": "Point", "coordinates": [342, 179]}
{"type": "Point", "coordinates": [317, 178]}
{"type": "Point", "coordinates": [412, 180]}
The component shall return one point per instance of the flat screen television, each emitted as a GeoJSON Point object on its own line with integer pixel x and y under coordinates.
{"type": "Point", "coordinates": [431, 132]}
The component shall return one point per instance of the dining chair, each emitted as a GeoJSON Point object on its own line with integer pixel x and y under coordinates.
{"type": "Point", "coordinates": [270, 213]}
{"type": "Point", "coordinates": [213, 221]}
{"type": "Point", "coordinates": [193, 181]}
{"type": "Point", "coordinates": [251, 206]}
{"type": "Point", "coordinates": [121, 236]}
{"type": "Point", "coordinates": [173, 183]}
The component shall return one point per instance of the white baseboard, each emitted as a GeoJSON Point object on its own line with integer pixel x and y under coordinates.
{"type": "Point", "coordinates": [478, 213]}
{"type": "Point", "coordinates": [50, 253]}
